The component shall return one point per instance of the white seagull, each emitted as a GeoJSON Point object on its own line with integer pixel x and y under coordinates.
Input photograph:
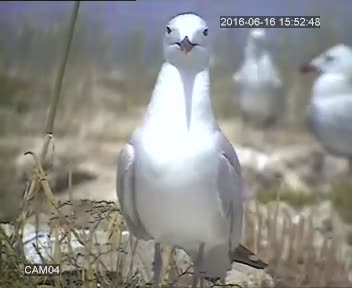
{"type": "Point", "coordinates": [329, 114]}
{"type": "Point", "coordinates": [179, 178]}
{"type": "Point", "coordinates": [259, 90]}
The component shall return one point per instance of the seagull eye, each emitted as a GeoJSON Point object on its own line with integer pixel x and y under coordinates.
{"type": "Point", "coordinates": [168, 30]}
{"type": "Point", "coordinates": [329, 58]}
{"type": "Point", "coordinates": [205, 32]}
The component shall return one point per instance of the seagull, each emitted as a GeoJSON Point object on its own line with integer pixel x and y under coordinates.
{"type": "Point", "coordinates": [179, 179]}
{"type": "Point", "coordinates": [258, 88]}
{"type": "Point", "coordinates": [329, 113]}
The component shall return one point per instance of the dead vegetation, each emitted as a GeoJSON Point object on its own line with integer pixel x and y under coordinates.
{"type": "Point", "coordinates": [298, 254]}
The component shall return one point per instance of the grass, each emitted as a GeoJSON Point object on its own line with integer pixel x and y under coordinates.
{"type": "Point", "coordinates": [295, 257]}
{"type": "Point", "coordinates": [298, 255]}
{"type": "Point", "coordinates": [341, 198]}
{"type": "Point", "coordinates": [10, 272]}
{"type": "Point", "coordinates": [9, 194]}
{"type": "Point", "coordinates": [296, 199]}
{"type": "Point", "coordinates": [12, 259]}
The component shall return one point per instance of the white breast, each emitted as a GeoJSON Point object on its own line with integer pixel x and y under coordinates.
{"type": "Point", "coordinates": [176, 193]}
{"type": "Point", "coordinates": [331, 123]}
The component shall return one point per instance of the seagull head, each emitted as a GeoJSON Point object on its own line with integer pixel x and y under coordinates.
{"type": "Point", "coordinates": [186, 43]}
{"type": "Point", "coordinates": [257, 35]}
{"type": "Point", "coordinates": [256, 42]}
{"type": "Point", "coordinates": [336, 60]}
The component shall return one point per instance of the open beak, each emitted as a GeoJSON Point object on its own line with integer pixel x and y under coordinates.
{"type": "Point", "coordinates": [308, 68]}
{"type": "Point", "coordinates": [186, 45]}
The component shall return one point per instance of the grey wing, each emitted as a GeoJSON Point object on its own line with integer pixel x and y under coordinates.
{"type": "Point", "coordinates": [229, 183]}
{"type": "Point", "coordinates": [126, 192]}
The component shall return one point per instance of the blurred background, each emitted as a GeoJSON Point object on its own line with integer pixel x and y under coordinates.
{"type": "Point", "coordinates": [117, 46]}
{"type": "Point", "coordinates": [113, 64]}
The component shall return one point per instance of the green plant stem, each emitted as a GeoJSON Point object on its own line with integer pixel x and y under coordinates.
{"type": "Point", "coordinates": [49, 130]}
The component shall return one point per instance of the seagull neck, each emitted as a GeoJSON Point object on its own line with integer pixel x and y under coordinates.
{"type": "Point", "coordinates": [330, 85]}
{"type": "Point", "coordinates": [253, 51]}
{"type": "Point", "coordinates": [181, 96]}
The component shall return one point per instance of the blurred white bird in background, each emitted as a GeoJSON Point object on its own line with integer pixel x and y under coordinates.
{"type": "Point", "coordinates": [329, 114]}
{"type": "Point", "coordinates": [258, 89]}
{"type": "Point", "coordinates": [179, 178]}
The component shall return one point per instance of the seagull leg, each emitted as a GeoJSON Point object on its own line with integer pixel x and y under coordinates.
{"type": "Point", "coordinates": [157, 264]}
{"type": "Point", "coordinates": [198, 264]}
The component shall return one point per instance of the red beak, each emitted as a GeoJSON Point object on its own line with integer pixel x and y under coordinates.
{"type": "Point", "coordinates": [186, 45]}
{"type": "Point", "coordinates": [307, 68]}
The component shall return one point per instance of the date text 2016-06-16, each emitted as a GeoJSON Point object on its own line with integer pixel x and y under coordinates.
{"type": "Point", "coordinates": [269, 21]}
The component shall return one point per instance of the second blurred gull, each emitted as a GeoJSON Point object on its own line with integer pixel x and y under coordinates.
{"type": "Point", "coordinates": [258, 87]}
{"type": "Point", "coordinates": [329, 114]}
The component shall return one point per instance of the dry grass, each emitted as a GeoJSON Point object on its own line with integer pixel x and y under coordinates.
{"type": "Point", "coordinates": [341, 198]}
{"type": "Point", "coordinates": [298, 256]}
{"type": "Point", "coordinates": [294, 198]}
{"type": "Point", "coordinates": [91, 270]}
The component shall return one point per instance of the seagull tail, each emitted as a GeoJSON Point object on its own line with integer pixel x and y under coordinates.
{"type": "Point", "coordinates": [244, 256]}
